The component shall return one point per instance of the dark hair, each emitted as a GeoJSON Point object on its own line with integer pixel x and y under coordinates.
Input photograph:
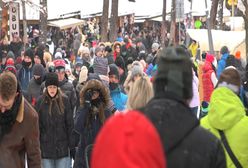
{"type": "Point", "coordinates": [8, 85]}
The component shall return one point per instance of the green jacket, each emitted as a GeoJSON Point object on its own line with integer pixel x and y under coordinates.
{"type": "Point", "coordinates": [227, 113]}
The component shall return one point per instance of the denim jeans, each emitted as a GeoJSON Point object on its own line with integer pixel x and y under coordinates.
{"type": "Point", "coordinates": [56, 163]}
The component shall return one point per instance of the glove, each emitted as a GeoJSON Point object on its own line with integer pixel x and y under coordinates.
{"type": "Point", "coordinates": [87, 98]}
{"type": "Point", "coordinates": [73, 153]}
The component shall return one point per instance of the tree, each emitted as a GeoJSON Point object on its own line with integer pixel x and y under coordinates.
{"type": "Point", "coordinates": [245, 17]}
{"type": "Point", "coordinates": [104, 21]}
{"type": "Point", "coordinates": [213, 13]}
{"type": "Point", "coordinates": [24, 21]}
{"type": "Point", "coordinates": [173, 24]}
{"type": "Point", "coordinates": [114, 20]}
{"type": "Point", "coordinates": [43, 22]}
{"type": "Point", "coordinates": [164, 26]}
{"type": "Point", "coordinates": [220, 14]}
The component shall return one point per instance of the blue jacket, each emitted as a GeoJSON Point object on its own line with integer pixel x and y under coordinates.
{"type": "Point", "coordinates": [222, 64]}
{"type": "Point", "coordinates": [24, 76]}
{"type": "Point", "coordinates": [119, 99]}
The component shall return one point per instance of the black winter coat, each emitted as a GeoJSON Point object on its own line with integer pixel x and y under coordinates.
{"type": "Point", "coordinates": [186, 143]}
{"type": "Point", "coordinates": [55, 128]}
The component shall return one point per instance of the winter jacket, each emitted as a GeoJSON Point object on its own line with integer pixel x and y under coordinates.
{"type": "Point", "coordinates": [119, 99]}
{"type": "Point", "coordinates": [195, 101]}
{"type": "Point", "coordinates": [208, 86]}
{"type": "Point", "coordinates": [222, 64]}
{"type": "Point", "coordinates": [23, 139]}
{"type": "Point", "coordinates": [85, 112]}
{"type": "Point", "coordinates": [186, 144]}
{"type": "Point", "coordinates": [55, 127]}
{"type": "Point", "coordinates": [227, 113]}
{"type": "Point", "coordinates": [33, 91]}
{"type": "Point", "coordinates": [68, 89]}
{"type": "Point", "coordinates": [24, 76]}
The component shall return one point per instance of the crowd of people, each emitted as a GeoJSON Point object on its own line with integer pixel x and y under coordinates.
{"type": "Point", "coordinates": [121, 104]}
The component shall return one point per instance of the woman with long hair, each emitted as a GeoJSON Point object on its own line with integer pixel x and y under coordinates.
{"type": "Point", "coordinates": [140, 93]}
{"type": "Point", "coordinates": [91, 115]}
{"type": "Point", "coordinates": [56, 124]}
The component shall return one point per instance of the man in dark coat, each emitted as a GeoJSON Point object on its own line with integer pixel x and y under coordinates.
{"type": "Point", "coordinates": [185, 142]}
{"type": "Point", "coordinates": [19, 128]}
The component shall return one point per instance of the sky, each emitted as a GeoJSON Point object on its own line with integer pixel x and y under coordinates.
{"type": "Point", "coordinates": [140, 7]}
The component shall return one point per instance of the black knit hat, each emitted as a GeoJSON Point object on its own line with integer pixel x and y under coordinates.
{"type": "Point", "coordinates": [52, 79]}
{"type": "Point", "coordinates": [174, 73]}
{"type": "Point", "coordinates": [29, 52]}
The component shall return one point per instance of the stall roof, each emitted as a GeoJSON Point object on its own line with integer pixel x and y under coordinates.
{"type": "Point", "coordinates": [231, 39]}
{"type": "Point", "coordinates": [66, 23]}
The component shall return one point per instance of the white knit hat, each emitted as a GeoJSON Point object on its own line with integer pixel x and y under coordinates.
{"type": "Point", "coordinates": [83, 74]}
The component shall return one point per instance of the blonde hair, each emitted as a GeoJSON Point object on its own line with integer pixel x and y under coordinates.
{"type": "Point", "coordinates": [140, 93]}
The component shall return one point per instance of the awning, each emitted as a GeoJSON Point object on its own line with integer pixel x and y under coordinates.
{"type": "Point", "coordinates": [66, 23]}
{"type": "Point", "coordinates": [231, 39]}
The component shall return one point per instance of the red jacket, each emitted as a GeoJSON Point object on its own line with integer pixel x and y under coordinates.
{"type": "Point", "coordinates": [208, 86]}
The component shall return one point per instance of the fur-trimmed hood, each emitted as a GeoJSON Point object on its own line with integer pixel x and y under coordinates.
{"type": "Point", "coordinates": [96, 85]}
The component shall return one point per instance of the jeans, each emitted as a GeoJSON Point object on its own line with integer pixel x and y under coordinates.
{"type": "Point", "coordinates": [56, 163]}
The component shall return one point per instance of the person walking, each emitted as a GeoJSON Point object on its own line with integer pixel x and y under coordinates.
{"type": "Point", "coordinates": [19, 126]}
{"type": "Point", "coordinates": [56, 124]}
{"type": "Point", "coordinates": [186, 143]}
{"type": "Point", "coordinates": [227, 118]}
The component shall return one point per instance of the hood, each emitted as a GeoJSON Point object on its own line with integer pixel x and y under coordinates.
{"type": "Point", "coordinates": [225, 56]}
{"type": "Point", "coordinates": [173, 120]}
{"type": "Point", "coordinates": [98, 85]}
{"type": "Point", "coordinates": [225, 109]}
{"type": "Point", "coordinates": [207, 66]}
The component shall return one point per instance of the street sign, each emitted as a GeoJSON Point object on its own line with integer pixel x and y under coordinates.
{"type": "Point", "coordinates": [13, 19]}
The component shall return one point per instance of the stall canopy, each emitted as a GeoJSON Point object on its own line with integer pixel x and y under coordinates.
{"type": "Point", "coordinates": [66, 23]}
{"type": "Point", "coordinates": [231, 39]}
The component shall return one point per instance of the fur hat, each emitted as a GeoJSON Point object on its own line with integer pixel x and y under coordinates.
{"type": "Point", "coordinates": [230, 78]}
{"type": "Point", "coordinates": [83, 74]}
{"type": "Point", "coordinates": [174, 75]}
{"type": "Point", "coordinates": [137, 144]}
{"type": "Point", "coordinates": [51, 79]}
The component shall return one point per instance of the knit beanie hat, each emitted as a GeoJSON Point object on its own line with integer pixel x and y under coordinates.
{"type": "Point", "coordinates": [29, 52]}
{"type": "Point", "coordinates": [83, 74]}
{"type": "Point", "coordinates": [224, 50]}
{"type": "Point", "coordinates": [135, 145]}
{"type": "Point", "coordinates": [38, 70]}
{"type": "Point", "coordinates": [51, 79]}
{"type": "Point", "coordinates": [174, 74]}
{"type": "Point", "coordinates": [113, 70]}
{"type": "Point", "coordinates": [230, 78]}
{"type": "Point", "coordinates": [238, 55]}
{"type": "Point", "coordinates": [155, 46]}
{"type": "Point", "coordinates": [58, 55]}
{"type": "Point", "coordinates": [59, 64]}
{"type": "Point", "coordinates": [98, 49]}
{"type": "Point", "coordinates": [100, 66]}
{"type": "Point", "coordinates": [136, 70]}
{"type": "Point", "coordinates": [68, 67]}
{"type": "Point", "coordinates": [10, 66]}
